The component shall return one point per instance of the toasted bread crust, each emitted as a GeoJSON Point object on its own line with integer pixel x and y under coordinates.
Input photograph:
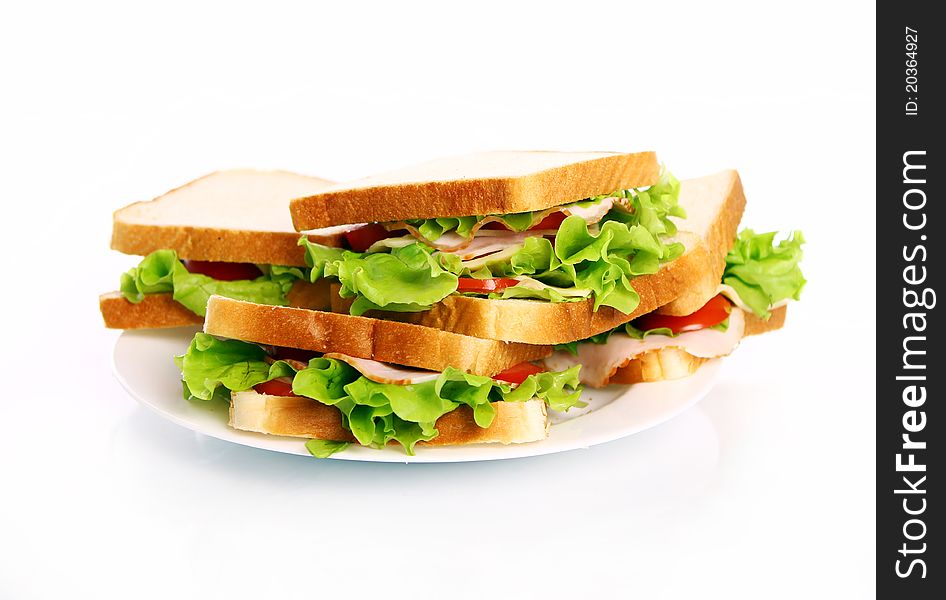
{"type": "Point", "coordinates": [755, 325]}
{"type": "Point", "coordinates": [457, 197]}
{"type": "Point", "coordinates": [158, 311]}
{"type": "Point", "coordinates": [155, 311]}
{"type": "Point", "coordinates": [674, 363]}
{"type": "Point", "coordinates": [385, 341]}
{"type": "Point", "coordinates": [515, 422]}
{"type": "Point", "coordinates": [708, 266]}
{"type": "Point", "coordinates": [219, 245]}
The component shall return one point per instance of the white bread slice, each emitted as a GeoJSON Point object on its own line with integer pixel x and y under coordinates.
{"type": "Point", "coordinates": [674, 363]}
{"type": "Point", "coordinates": [231, 216]}
{"type": "Point", "coordinates": [156, 311]}
{"type": "Point", "coordinates": [159, 311]}
{"type": "Point", "coordinates": [476, 184]}
{"type": "Point", "coordinates": [715, 202]}
{"type": "Point", "coordinates": [515, 422]}
{"type": "Point", "coordinates": [362, 337]}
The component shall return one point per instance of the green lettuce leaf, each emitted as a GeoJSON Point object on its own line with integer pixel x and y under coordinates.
{"type": "Point", "coordinates": [408, 279]}
{"type": "Point", "coordinates": [432, 229]}
{"type": "Point", "coordinates": [212, 365]}
{"type": "Point", "coordinates": [653, 207]}
{"type": "Point", "coordinates": [377, 413]}
{"type": "Point", "coordinates": [603, 337]}
{"type": "Point", "coordinates": [162, 272]}
{"type": "Point", "coordinates": [560, 390]}
{"type": "Point", "coordinates": [325, 448]}
{"type": "Point", "coordinates": [763, 272]}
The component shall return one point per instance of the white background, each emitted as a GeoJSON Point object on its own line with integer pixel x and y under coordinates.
{"type": "Point", "coordinates": [765, 490]}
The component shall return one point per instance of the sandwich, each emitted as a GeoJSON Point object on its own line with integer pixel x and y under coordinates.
{"type": "Point", "coordinates": [227, 233]}
{"type": "Point", "coordinates": [455, 302]}
{"type": "Point", "coordinates": [685, 290]}
{"type": "Point", "coordinates": [337, 379]}
{"type": "Point", "coordinates": [532, 247]}
{"type": "Point", "coordinates": [760, 276]}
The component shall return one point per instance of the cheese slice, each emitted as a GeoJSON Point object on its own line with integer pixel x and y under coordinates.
{"type": "Point", "coordinates": [534, 284]}
{"type": "Point", "coordinates": [395, 242]}
{"type": "Point", "coordinates": [601, 361]}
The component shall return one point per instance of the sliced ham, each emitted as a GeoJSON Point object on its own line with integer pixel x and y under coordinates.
{"type": "Point", "coordinates": [591, 214]}
{"type": "Point", "coordinates": [601, 361]}
{"type": "Point", "coordinates": [384, 373]}
{"type": "Point", "coordinates": [483, 245]}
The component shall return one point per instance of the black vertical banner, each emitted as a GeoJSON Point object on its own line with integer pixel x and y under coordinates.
{"type": "Point", "coordinates": [911, 370]}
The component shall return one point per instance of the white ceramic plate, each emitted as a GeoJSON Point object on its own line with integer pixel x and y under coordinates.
{"type": "Point", "coordinates": [143, 365]}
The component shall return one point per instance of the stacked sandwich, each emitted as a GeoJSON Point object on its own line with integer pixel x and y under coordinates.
{"type": "Point", "coordinates": [468, 296]}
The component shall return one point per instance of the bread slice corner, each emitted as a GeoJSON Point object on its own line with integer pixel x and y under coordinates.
{"type": "Point", "coordinates": [160, 311]}
{"type": "Point", "coordinates": [155, 311]}
{"type": "Point", "coordinates": [238, 215]}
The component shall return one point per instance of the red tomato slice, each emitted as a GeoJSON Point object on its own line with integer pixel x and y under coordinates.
{"type": "Point", "coordinates": [362, 238]}
{"type": "Point", "coordinates": [518, 373]}
{"type": "Point", "coordinates": [552, 221]}
{"type": "Point", "coordinates": [484, 286]}
{"type": "Point", "coordinates": [275, 387]}
{"type": "Point", "coordinates": [713, 312]}
{"type": "Point", "coordinates": [223, 271]}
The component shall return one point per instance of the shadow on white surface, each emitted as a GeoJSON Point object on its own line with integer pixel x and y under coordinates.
{"type": "Point", "coordinates": [672, 461]}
